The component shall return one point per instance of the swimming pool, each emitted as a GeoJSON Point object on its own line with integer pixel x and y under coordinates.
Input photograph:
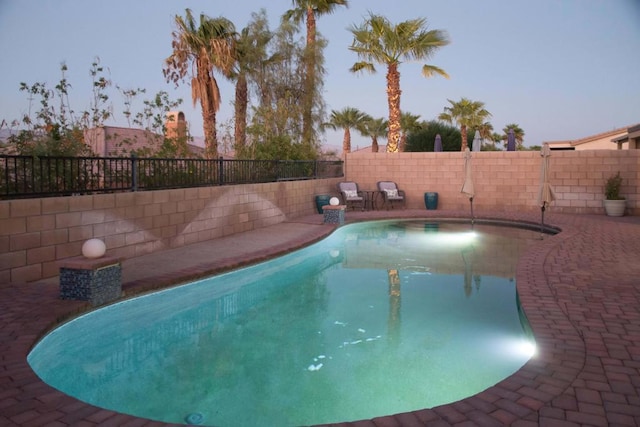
{"type": "Point", "coordinates": [379, 318]}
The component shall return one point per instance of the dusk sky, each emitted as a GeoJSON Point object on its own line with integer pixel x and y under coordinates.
{"type": "Point", "coordinates": [560, 69]}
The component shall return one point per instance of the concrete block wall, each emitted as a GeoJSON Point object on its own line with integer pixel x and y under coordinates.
{"type": "Point", "coordinates": [35, 234]}
{"type": "Point", "coordinates": [503, 180]}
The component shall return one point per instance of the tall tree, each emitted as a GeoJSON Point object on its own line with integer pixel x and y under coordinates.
{"type": "Point", "coordinates": [309, 11]}
{"type": "Point", "coordinates": [251, 55]}
{"type": "Point", "coordinates": [466, 114]}
{"type": "Point", "coordinates": [496, 137]}
{"type": "Point", "coordinates": [517, 131]}
{"type": "Point", "coordinates": [374, 129]}
{"type": "Point", "coordinates": [279, 88]}
{"type": "Point", "coordinates": [348, 118]}
{"type": "Point", "coordinates": [377, 40]}
{"type": "Point", "coordinates": [423, 139]}
{"type": "Point", "coordinates": [408, 122]}
{"type": "Point", "coordinates": [198, 50]}
{"type": "Point", "coordinates": [486, 132]}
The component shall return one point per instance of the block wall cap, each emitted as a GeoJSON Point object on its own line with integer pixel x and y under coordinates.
{"type": "Point", "coordinates": [82, 263]}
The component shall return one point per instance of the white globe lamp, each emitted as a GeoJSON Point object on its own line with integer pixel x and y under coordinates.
{"type": "Point", "coordinates": [93, 248]}
{"type": "Point", "coordinates": [334, 201]}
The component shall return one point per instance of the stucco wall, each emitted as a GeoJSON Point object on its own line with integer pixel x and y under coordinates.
{"type": "Point", "coordinates": [603, 143]}
{"type": "Point", "coordinates": [36, 233]}
{"type": "Point", "coordinates": [503, 180]}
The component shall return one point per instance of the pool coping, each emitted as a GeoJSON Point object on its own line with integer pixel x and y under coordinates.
{"type": "Point", "coordinates": [586, 320]}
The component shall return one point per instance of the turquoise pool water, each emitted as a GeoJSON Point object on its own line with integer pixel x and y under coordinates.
{"type": "Point", "coordinates": [379, 318]}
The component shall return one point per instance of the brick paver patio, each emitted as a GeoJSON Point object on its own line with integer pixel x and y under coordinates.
{"type": "Point", "coordinates": [579, 289]}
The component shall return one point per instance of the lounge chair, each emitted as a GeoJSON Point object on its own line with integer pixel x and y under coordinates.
{"type": "Point", "coordinates": [350, 195]}
{"type": "Point", "coordinates": [391, 194]}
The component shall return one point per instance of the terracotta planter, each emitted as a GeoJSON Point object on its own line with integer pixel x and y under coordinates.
{"type": "Point", "coordinates": [614, 207]}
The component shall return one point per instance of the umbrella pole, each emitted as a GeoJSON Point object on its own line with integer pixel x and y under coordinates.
{"type": "Point", "coordinates": [542, 209]}
{"type": "Point", "coordinates": [472, 217]}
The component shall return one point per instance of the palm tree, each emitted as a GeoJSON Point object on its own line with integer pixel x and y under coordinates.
{"type": "Point", "coordinates": [408, 122]}
{"type": "Point", "coordinates": [497, 137]}
{"type": "Point", "coordinates": [517, 131]}
{"type": "Point", "coordinates": [309, 10]}
{"type": "Point", "coordinates": [198, 50]}
{"type": "Point", "coordinates": [347, 119]}
{"type": "Point", "coordinates": [378, 40]}
{"type": "Point", "coordinates": [486, 130]}
{"type": "Point", "coordinates": [465, 114]}
{"type": "Point", "coordinates": [374, 129]}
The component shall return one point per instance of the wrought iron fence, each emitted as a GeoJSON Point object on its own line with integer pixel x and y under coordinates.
{"type": "Point", "coordinates": [27, 176]}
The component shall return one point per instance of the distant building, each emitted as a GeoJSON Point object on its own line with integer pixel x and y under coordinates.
{"type": "Point", "coordinates": [626, 138]}
{"type": "Point", "coordinates": [176, 125]}
{"type": "Point", "coordinates": [631, 139]}
{"type": "Point", "coordinates": [113, 141]}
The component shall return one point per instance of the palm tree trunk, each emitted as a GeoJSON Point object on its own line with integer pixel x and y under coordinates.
{"type": "Point", "coordinates": [395, 303]}
{"type": "Point", "coordinates": [209, 123]}
{"type": "Point", "coordinates": [393, 99]}
{"type": "Point", "coordinates": [210, 138]}
{"type": "Point", "coordinates": [309, 83]}
{"type": "Point", "coordinates": [346, 142]}
{"type": "Point", "coordinates": [374, 144]}
{"type": "Point", "coordinates": [242, 100]}
{"type": "Point", "coordinates": [463, 133]}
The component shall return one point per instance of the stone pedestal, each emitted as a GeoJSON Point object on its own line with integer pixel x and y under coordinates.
{"type": "Point", "coordinates": [334, 214]}
{"type": "Point", "coordinates": [98, 280]}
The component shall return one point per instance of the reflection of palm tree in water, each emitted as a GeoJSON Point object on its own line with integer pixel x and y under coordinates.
{"type": "Point", "coordinates": [393, 322]}
{"type": "Point", "coordinates": [467, 258]}
{"type": "Point", "coordinates": [467, 281]}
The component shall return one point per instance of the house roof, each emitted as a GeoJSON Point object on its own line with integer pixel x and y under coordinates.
{"type": "Point", "coordinates": [632, 132]}
{"type": "Point", "coordinates": [585, 140]}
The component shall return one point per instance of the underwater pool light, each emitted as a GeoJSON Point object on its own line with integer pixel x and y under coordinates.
{"type": "Point", "coordinates": [451, 239]}
{"type": "Point", "coordinates": [527, 348]}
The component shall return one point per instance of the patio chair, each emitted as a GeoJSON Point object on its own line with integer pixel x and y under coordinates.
{"type": "Point", "coordinates": [391, 194]}
{"type": "Point", "coordinates": [351, 196]}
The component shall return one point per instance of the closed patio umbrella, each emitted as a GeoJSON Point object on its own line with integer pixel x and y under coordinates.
{"type": "Point", "coordinates": [477, 142]}
{"type": "Point", "coordinates": [437, 146]}
{"type": "Point", "coordinates": [467, 186]}
{"type": "Point", "coordinates": [511, 140]}
{"type": "Point", "coordinates": [546, 194]}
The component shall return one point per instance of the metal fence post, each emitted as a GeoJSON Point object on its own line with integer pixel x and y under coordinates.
{"type": "Point", "coordinates": [134, 172]}
{"type": "Point", "coordinates": [220, 170]}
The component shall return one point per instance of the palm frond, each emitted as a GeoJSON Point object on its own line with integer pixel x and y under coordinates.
{"type": "Point", "coordinates": [363, 66]}
{"type": "Point", "coordinates": [432, 70]}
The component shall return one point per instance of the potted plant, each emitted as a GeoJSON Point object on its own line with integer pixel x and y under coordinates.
{"type": "Point", "coordinates": [614, 204]}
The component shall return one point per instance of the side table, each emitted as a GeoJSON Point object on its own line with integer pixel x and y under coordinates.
{"type": "Point", "coordinates": [371, 199]}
